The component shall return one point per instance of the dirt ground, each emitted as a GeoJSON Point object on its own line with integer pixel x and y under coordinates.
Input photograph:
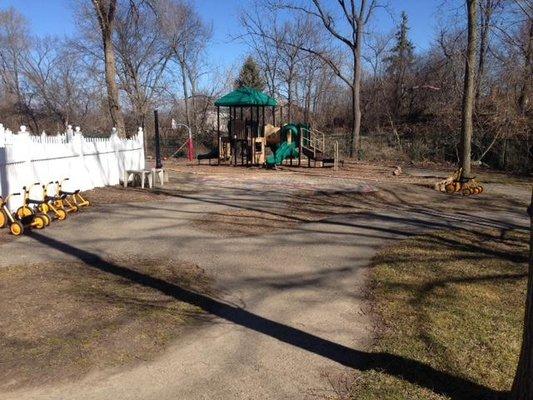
{"type": "Point", "coordinates": [112, 323]}
{"type": "Point", "coordinates": [61, 320]}
{"type": "Point", "coordinates": [356, 170]}
{"type": "Point", "coordinates": [120, 194]}
{"type": "Point", "coordinates": [307, 204]}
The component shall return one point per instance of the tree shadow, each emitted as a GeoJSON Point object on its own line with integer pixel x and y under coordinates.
{"type": "Point", "coordinates": [413, 371]}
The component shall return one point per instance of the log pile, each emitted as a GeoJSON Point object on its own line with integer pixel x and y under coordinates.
{"type": "Point", "coordinates": [456, 183]}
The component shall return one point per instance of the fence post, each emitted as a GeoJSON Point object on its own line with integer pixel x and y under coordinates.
{"type": "Point", "coordinates": [25, 149]}
{"type": "Point", "coordinates": [116, 142]}
{"type": "Point", "coordinates": [69, 133]}
{"type": "Point", "coordinates": [81, 177]}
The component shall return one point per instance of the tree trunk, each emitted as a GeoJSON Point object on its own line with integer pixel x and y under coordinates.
{"type": "Point", "coordinates": [356, 93]}
{"type": "Point", "coordinates": [352, 149]}
{"type": "Point", "coordinates": [486, 18]}
{"type": "Point", "coordinates": [525, 91]}
{"type": "Point", "coordinates": [185, 93]}
{"type": "Point", "coordinates": [307, 106]}
{"type": "Point", "coordinates": [110, 77]}
{"type": "Point", "coordinates": [289, 100]}
{"type": "Point", "coordinates": [469, 87]}
{"type": "Point", "coordinates": [523, 382]}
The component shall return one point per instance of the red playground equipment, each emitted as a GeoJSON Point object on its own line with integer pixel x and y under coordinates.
{"type": "Point", "coordinates": [189, 142]}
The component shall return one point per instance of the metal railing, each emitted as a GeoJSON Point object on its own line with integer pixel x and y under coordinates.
{"type": "Point", "coordinates": [314, 140]}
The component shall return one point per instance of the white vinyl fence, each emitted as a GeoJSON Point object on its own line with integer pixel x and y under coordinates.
{"type": "Point", "coordinates": [88, 162]}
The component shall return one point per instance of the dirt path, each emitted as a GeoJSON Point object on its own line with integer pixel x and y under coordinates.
{"type": "Point", "coordinates": [291, 316]}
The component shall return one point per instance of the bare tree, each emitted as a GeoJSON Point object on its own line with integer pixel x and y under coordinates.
{"type": "Point", "coordinates": [58, 82]}
{"type": "Point", "coordinates": [185, 35]}
{"type": "Point", "coordinates": [142, 58]}
{"type": "Point", "coordinates": [527, 81]}
{"type": "Point", "coordinates": [106, 11]}
{"type": "Point", "coordinates": [290, 72]}
{"type": "Point", "coordinates": [15, 46]}
{"type": "Point", "coordinates": [258, 23]}
{"type": "Point", "coordinates": [469, 87]}
{"type": "Point", "coordinates": [487, 8]}
{"type": "Point", "coordinates": [357, 14]}
{"type": "Point", "coordinates": [290, 38]}
{"type": "Point", "coordinates": [309, 73]}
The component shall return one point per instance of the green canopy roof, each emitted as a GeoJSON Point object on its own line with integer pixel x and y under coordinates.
{"type": "Point", "coordinates": [246, 97]}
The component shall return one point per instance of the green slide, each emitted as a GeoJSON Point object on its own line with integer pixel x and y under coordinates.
{"type": "Point", "coordinates": [284, 151]}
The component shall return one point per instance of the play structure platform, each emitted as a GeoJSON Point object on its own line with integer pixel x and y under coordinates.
{"type": "Point", "coordinates": [252, 131]}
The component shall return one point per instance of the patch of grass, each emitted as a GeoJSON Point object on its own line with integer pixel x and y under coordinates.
{"type": "Point", "coordinates": [59, 321]}
{"type": "Point", "coordinates": [453, 301]}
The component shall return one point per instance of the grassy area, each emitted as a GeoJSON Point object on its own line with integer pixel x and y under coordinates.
{"type": "Point", "coordinates": [453, 301]}
{"type": "Point", "coordinates": [63, 320]}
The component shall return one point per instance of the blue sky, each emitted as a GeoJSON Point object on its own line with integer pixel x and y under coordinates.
{"type": "Point", "coordinates": [54, 17]}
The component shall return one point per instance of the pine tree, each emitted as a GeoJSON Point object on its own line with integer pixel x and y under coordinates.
{"type": "Point", "coordinates": [250, 76]}
{"type": "Point", "coordinates": [400, 61]}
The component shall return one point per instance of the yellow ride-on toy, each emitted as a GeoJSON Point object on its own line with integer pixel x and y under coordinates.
{"type": "Point", "coordinates": [31, 207]}
{"type": "Point", "coordinates": [17, 226]}
{"type": "Point", "coordinates": [74, 197]}
{"type": "Point", "coordinates": [62, 201]}
{"type": "Point", "coordinates": [47, 206]}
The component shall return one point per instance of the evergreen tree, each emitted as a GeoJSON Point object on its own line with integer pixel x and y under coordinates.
{"type": "Point", "coordinates": [400, 62]}
{"type": "Point", "coordinates": [250, 76]}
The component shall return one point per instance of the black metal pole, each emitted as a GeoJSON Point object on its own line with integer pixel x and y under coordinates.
{"type": "Point", "coordinates": [158, 161]}
{"type": "Point", "coordinates": [234, 133]}
{"type": "Point", "coordinates": [263, 124]}
{"type": "Point", "coordinates": [220, 151]}
{"type": "Point", "coordinates": [300, 145]}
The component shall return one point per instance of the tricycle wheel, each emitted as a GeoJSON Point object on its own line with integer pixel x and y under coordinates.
{"type": "Point", "coordinates": [61, 214]}
{"type": "Point", "coordinates": [46, 218]}
{"type": "Point", "coordinates": [16, 228]}
{"type": "Point", "coordinates": [3, 219]}
{"type": "Point", "coordinates": [24, 211]}
{"type": "Point", "coordinates": [38, 222]}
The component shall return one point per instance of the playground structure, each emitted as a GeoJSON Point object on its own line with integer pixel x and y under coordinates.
{"type": "Point", "coordinates": [251, 131]}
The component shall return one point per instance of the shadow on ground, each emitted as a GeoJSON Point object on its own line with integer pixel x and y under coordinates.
{"type": "Point", "coordinates": [409, 370]}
